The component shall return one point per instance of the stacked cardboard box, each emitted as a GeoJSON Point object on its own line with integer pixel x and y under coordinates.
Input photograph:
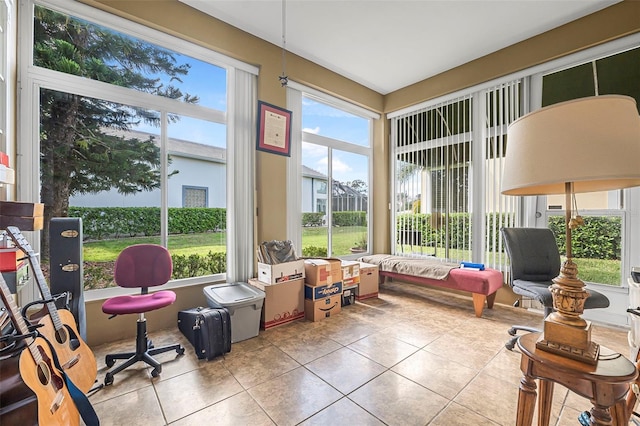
{"type": "Point", "coordinates": [283, 285]}
{"type": "Point", "coordinates": [350, 272]}
{"type": "Point", "coordinates": [368, 286]}
{"type": "Point", "coordinates": [25, 216]}
{"type": "Point", "coordinates": [323, 295]}
{"type": "Point", "coordinates": [14, 268]}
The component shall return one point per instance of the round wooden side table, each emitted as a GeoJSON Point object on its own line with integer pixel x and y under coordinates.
{"type": "Point", "coordinates": [604, 384]}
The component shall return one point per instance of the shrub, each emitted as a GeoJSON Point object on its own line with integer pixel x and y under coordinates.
{"type": "Point", "coordinates": [314, 251]}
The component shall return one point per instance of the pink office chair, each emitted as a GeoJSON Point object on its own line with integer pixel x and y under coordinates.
{"type": "Point", "coordinates": [144, 266]}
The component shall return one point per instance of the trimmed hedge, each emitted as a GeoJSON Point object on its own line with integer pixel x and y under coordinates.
{"type": "Point", "coordinates": [312, 219]}
{"type": "Point", "coordinates": [358, 218]}
{"type": "Point", "coordinates": [196, 265]}
{"type": "Point", "coordinates": [598, 238]}
{"type": "Point", "coordinates": [119, 222]}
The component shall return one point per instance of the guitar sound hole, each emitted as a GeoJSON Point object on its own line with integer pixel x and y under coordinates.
{"type": "Point", "coordinates": [74, 340]}
{"type": "Point", "coordinates": [44, 374]}
{"type": "Point", "coordinates": [61, 336]}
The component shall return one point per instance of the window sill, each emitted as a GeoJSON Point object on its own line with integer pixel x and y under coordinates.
{"type": "Point", "coordinates": [107, 293]}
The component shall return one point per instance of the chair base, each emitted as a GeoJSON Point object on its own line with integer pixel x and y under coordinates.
{"type": "Point", "coordinates": [144, 352]}
{"type": "Point", "coordinates": [511, 343]}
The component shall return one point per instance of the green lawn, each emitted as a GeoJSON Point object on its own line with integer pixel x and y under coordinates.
{"type": "Point", "coordinates": [594, 270]}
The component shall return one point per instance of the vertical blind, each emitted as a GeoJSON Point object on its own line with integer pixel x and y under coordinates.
{"type": "Point", "coordinates": [432, 155]}
{"type": "Point", "coordinates": [436, 194]}
{"type": "Point", "coordinates": [503, 105]}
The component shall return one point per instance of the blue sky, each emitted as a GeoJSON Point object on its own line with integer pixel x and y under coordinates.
{"type": "Point", "coordinates": [317, 118]}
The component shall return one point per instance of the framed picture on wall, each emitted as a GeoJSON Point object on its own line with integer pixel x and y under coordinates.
{"type": "Point", "coordinates": [274, 129]}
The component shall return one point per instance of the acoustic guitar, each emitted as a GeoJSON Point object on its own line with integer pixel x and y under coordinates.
{"type": "Point", "coordinates": [59, 327]}
{"type": "Point", "coordinates": [55, 406]}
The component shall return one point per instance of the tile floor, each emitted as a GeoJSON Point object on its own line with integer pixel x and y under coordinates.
{"type": "Point", "coordinates": [415, 356]}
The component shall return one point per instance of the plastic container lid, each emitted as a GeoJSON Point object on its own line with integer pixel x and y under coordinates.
{"type": "Point", "coordinates": [233, 294]}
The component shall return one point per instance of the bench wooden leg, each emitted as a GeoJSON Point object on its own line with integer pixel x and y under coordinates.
{"type": "Point", "coordinates": [478, 303]}
{"type": "Point", "coordinates": [490, 299]}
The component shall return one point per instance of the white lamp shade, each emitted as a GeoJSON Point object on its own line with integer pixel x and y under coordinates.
{"type": "Point", "coordinates": [592, 142]}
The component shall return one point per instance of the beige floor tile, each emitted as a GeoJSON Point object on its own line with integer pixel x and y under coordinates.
{"type": "Point", "coordinates": [457, 415]}
{"type": "Point", "coordinates": [185, 394]}
{"type": "Point", "coordinates": [139, 408]}
{"type": "Point", "coordinates": [465, 351]}
{"type": "Point", "coordinates": [398, 401]}
{"type": "Point", "coordinates": [492, 398]}
{"type": "Point", "coordinates": [416, 333]}
{"type": "Point", "coordinates": [389, 379]}
{"type": "Point", "coordinates": [294, 396]}
{"type": "Point", "coordinates": [343, 412]}
{"type": "Point", "coordinates": [238, 410]}
{"type": "Point", "coordinates": [253, 368]}
{"type": "Point", "coordinates": [506, 366]}
{"type": "Point", "coordinates": [438, 374]}
{"type": "Point", "coordinates": [308, 346]}
{"type": "Point", "coordinates": [345, 369]}
{"type": "Point", "coordinates": [383, 349]}
{"type": "Point", "coordinates": [131, 379]}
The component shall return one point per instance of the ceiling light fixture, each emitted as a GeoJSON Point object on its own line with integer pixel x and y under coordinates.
{"type": "Point", "coordinates": [284, 79]}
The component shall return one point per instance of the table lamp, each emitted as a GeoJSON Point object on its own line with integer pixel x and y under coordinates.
{"type": "Point", "coordinates": [583, 145]}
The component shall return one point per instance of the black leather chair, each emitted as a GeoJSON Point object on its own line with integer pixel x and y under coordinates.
{"type": "Point", "coordinates": [535, 262]}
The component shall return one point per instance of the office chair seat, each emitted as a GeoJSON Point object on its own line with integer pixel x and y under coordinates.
{"type": "Point", "coordinates": [121, 305]}
{"type": "Point", "coordinates": [141, 266]}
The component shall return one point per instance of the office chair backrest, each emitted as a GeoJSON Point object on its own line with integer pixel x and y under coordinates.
{"type": "Point", "coordinates": [143, 265]}
{"type": "Point", "coordinates": [533, 253]}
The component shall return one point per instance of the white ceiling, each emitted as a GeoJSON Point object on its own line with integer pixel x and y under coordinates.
{"type": "Point", "coordinates": [389, 44]}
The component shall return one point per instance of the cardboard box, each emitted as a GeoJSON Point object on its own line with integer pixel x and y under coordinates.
{"type": "Point", "coordinates": [16, 208]}
{"type": "Point", "coordinates": [336, 269]}
{"type": "Point", "coordinates": [368, 286]}
{"type": "Point", "coordinates": [317, 272]}
{"type": "Point", "coordinates": [322, 291]}
{"type": "Point", "coordinates": [281, 272]}
{"type": "Point", "coordinates": [320, 309]}
{"type": "Point", "coordinates": [283, 302]}
{"type": "Point", "coordinates": [10, 259]}
{"type": "Point", "coordinates": [350, 273]}
{"type": "Point", "coordinates": [24, 223]}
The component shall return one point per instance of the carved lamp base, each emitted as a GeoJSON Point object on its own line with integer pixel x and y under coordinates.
{"type": "Point", "coordinates": [565, 332]}
{"type": "Point", "coordinates": [569, 341]}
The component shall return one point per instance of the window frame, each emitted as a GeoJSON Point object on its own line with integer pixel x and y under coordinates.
{"type": "Point", "coordinates": [205, 189]}
{"type": "Point", "coordinates": [35, 78]}
{"type": "Point", "coordinates": [295, 93]}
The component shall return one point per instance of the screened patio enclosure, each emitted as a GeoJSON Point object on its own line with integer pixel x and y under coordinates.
{"type": "Point", "coordinates": [447, 161]}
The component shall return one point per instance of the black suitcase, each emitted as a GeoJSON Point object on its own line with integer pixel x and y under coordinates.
{"type": "Point", "coordinates": [208, 330]}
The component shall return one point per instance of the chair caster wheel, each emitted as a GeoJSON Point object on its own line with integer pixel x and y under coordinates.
{"type": "Point", "coordinates": [156, 372]}
{"type": "Point", "coordinates": [512, 331]}
{"type": "Point", "coordinates": [108, 379]}
{"type": "Point", "coordinates": [180, 351]}
{"type": "Point", "coordinates": [109, 361]}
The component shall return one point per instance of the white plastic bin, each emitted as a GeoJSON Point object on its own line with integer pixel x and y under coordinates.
{"type": "Point", "coordinates": [244, 303]}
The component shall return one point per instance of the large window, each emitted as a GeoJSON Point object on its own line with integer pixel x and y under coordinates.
{"type": "Point", "coordinates": [599, 244]}
{"type": "Point", "coordinates": [132, 136]}
{"type": "Point", "coordinates": [335, 165]}
{"type": "Point", "coordinates": [446, 155]}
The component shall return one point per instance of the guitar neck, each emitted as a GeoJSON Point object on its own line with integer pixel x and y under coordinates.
{"type": "Point", "coordinates": [24, 245]}
{"type": "Point", "coordinates": [14, 314]}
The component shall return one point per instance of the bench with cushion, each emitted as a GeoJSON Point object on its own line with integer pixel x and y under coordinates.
{"type": "Point", "coordinates": [483, 285]}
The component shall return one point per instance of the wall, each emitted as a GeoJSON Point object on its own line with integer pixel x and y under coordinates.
{"type": "Point", "coordinates": [616, 21]}
{"type": "Point", "coordinates": [180, 20]}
